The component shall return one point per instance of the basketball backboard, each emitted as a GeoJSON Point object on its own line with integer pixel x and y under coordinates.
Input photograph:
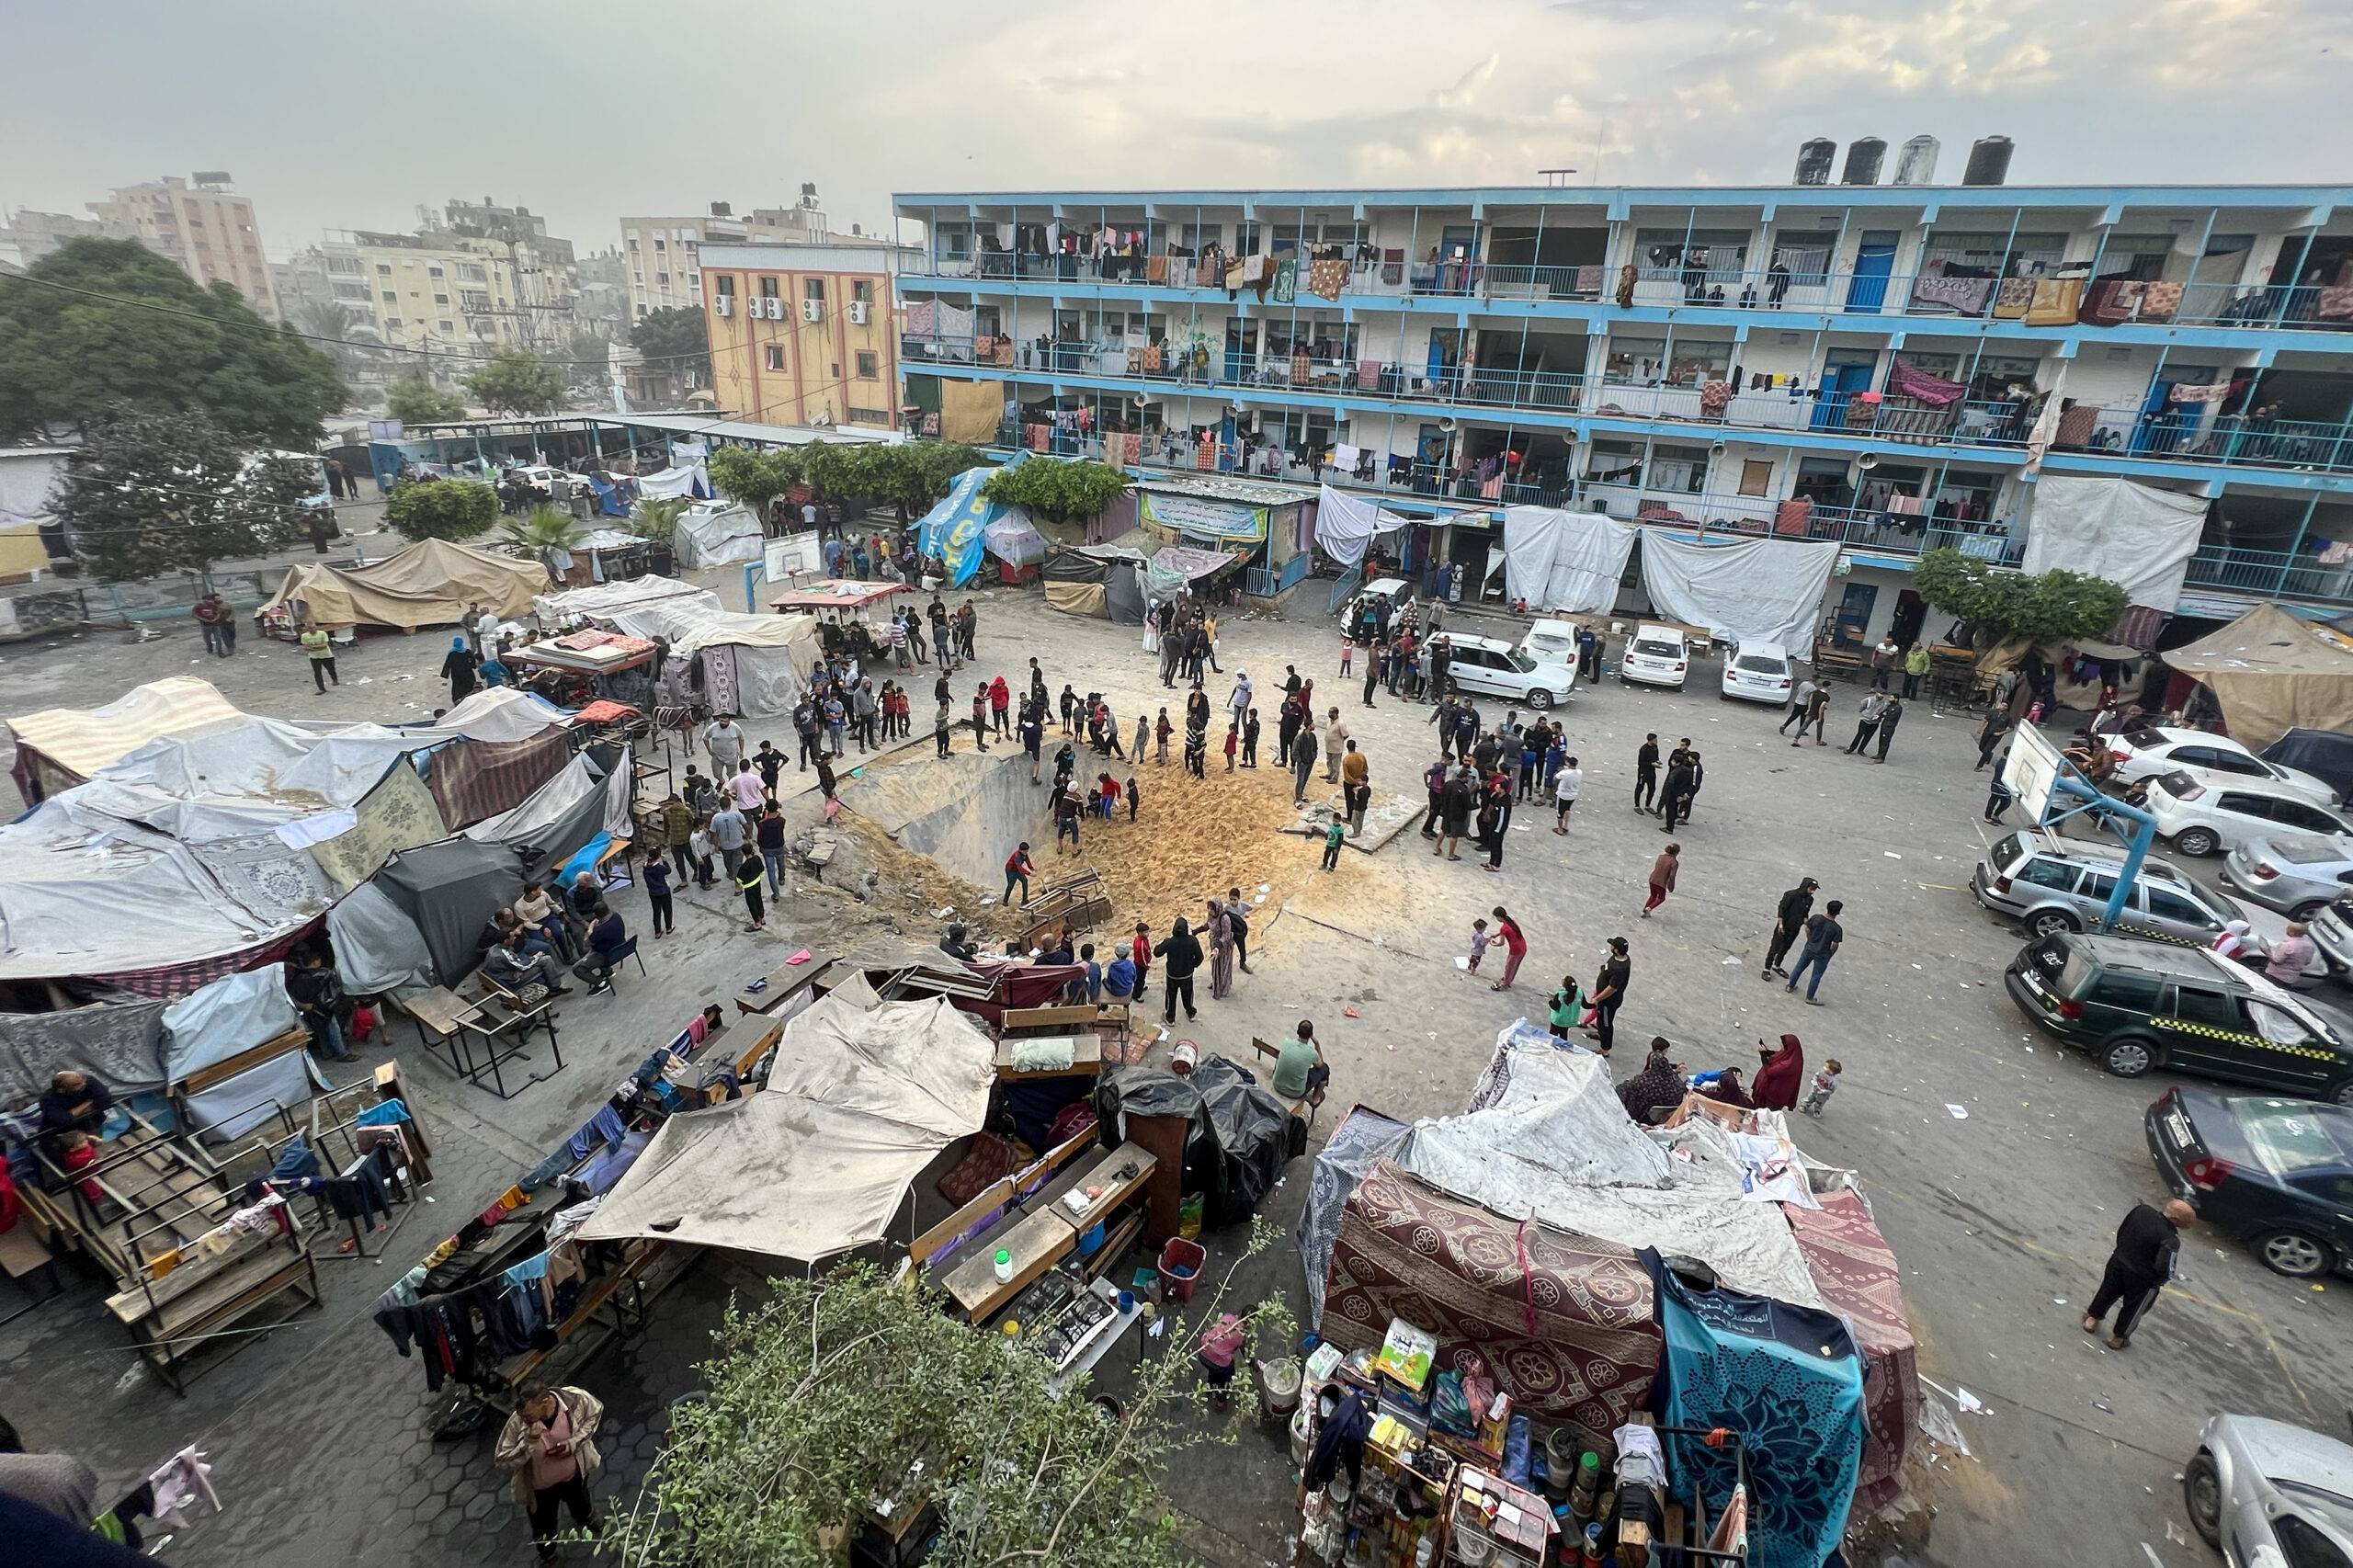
{"type": "Point", "coordinates": [2031, 770]}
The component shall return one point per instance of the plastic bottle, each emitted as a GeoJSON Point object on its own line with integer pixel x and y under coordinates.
{"type": "Point", "coordinates": [1003, 1265]}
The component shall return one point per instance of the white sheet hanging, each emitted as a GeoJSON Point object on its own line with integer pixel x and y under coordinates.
{"type": "Point", "coordinates": [1564, 561]}
{"type": "Point", "coordinates": [2135, 535]}
{"type": "Point", "coordinates": [1344, 524]}
{"type": "Point", "coordinates": [1764, 590]}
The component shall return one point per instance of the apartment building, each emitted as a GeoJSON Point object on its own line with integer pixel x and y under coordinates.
{"type": "Point", "coordinates": [429, 291]}
{"type": "Point", "coordinates": [804, 334]}
{"type": "Point", "coordinates": [1891, 366]}
{"type": "Point", "coordinates": [664, 254]}
{"type": "Point", "coordinates": [200, 224]}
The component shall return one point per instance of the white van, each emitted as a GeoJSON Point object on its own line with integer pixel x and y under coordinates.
{"type": "Point", "coordinates": [1654, 655]}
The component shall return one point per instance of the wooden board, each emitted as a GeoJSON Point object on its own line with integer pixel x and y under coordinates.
{"type": "Point", "coordinates": [784, 982]}
{"type": "Point", "coordinates": [1048, 1020]}
{"type": "Point", "coordinates": [1086, 1056]}
{"type": "Point", "coordinates": [227, 1068]}
{"type": "Point", "coordinates": [1036, 1240]}
{"type": "Point", "coordinates": [1114, 1192]}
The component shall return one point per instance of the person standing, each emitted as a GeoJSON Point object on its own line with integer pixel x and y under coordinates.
{"type": "Point", "coordinates": [1356, 787]}
{"type": "Point", "coordinates": [1916, 661]}
{"type": "Point", "coordinates": [320, 648]}
{"type": "Point", "coordinates": [677, 828]}
{"type": "Point", "coordinates": [1302, 764]}
{"type": "Point", "coordinates": [1239, 913]}
{"type": "Point", "coordinates": [1249, 738]}
{"type": "Point", "coordinates": [1608, 991]}
{"type": "Point", "coordinates": [1989, 735]}
{"type": "Point", "coordinates": [1800, 705]}
{"type": "Point", "coordinates": [1889, 718]}
{"type": "Point", "coordinates": [1457, 803]}
{"type": "Point", "coordinates": [1867, 723]}
{"type": "Point", "coordinates": [548, 1445]}
{"type": "Point", "coordinates": [1789, 919]}
{"type": "Point", "coordinates": [1567, 784]}
{"type": "Point", "coordinates": [1883, 663]}
{"type": "Point", "coordinates": [743, 788]}
{"type": "Point", "coordinates": [723, 738]}
{"type": "Point", "coordinates": [1238, 702]}
{"type": "Point", "coordinates": [1823, 934]}
{"type": "Point", "coordinates": [1815, 714]}
{"type": "Point", "coordinates": [1491, 819]}
{"type": "Point", "coordinates": [1221, 931]}
{"type": "Point", "coordinates": [1336, 735]}
{"type": "Point", "coordinates": [1375, 657]}
{"type": "Point", "coordinates": [980, 715]}
{"type": "Point", "coordinates": [2147, 1244]}
{"type": "Point", "coordinates": [1646, 775]}
{"type": "Point", "coordinates": [657, 895]}
{"type": "Point", "coordinates": [456, 666]}
{"type": "Point", "coordinates": [804, 726]}
{"type": "Point", "coordinates": [863, 706]}
{"type": "Point", "coordinates": [1682, 783]}
{"type": "Point", "coordinates": [767, 834]}
{"type": "Point", "coordinates": [1182, 950]}
{"type": "Point", "coordinates": [1434, 781]}
{"type": "Point", "coordinates": [1663, 871]}
{"type": "Point", "coordinates": [1018, 867]}
{"type": "Point", "coordinates": [1140, 955]}
{"type": "Point", "coordinates": [730, 833]}
{"type": "Point", "coordinates": [1032, 733]}
{"type": "Point", "coordinates": [1336, 834]}
{"type": "Point", "coordinates": [1000, 705]}
{"type": "Point", "coordinates": [208, 612]}
{"type": "Point", "coordinates": [1515, 943]}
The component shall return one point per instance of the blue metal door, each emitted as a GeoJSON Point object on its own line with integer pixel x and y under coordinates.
{"type": "Point", "coordinates": [1840, 382]}
{"type": "Point", "coordinates": [1866, 291]}
{"type": "Point", "coordinates": [1855, 613]}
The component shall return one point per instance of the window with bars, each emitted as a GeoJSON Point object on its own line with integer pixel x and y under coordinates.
{"type": "Point", "coordinates": [776, 356]}
{"type": "Point", "coordinates": [1968, 254]}
{"type": "Point", "coordinates": [1716, 256]}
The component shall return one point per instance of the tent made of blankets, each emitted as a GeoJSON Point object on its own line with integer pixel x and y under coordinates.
{"type": "Point", "coordinates": [428, 583]}
{"type": "Point", "coordinates": [859, 1104]}
{"type": "Point", "coordinates": [753, 666]}
{"type": "Point", "coordinates": [1099, 580]}
{"type": "Point", "coordinates": [60, 747]}
{"type": "Point", "coordinates": [2273, 672]}
{"type": "Point", "coordinates": [1176, 567]}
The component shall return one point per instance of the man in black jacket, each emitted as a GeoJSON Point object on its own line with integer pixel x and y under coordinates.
{"type": "Point", "coordinates": [2146, 1245]}
{"type": "Point", "coordinates": [1788, 920]}
{"type": "Point", "coordinates": [1646, 775]}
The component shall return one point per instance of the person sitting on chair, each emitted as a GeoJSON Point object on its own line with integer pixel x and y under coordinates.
{"type": "Point", "coordinates": [516, 969]}
{"type": "Point", "coordinates": [607, 936]}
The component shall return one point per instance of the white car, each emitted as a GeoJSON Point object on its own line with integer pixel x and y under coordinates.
{"type": "Point", "coordinates": [1552, 642]}
{"type": "Point", "coordinates": [1759, 672]}
{"type": "Point", "coordinates": [2202, 818]}
{"type": "Point", "coordinates": [2151, 751]}
{"type": "Point", "coordinates": [1654, 655]}
{"type": "Point", "coordinates": [1494, 667]}
{"type": "Point", "coordinates": [1396, 590]}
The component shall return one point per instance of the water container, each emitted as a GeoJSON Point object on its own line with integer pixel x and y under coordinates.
{"type": "Point", "coordinates": [1989, 161]}
{"type": "Point", "coordinates": [1560, 1463]}
{"type": "Point", "coordinates": [1002, 1264]}
{"type": "Point", "coordinates": [1863, 158]}
{"type": "Point", "coordinates": [1814, 159]}
{"type": "Point", "coordinates": [1916, 165]}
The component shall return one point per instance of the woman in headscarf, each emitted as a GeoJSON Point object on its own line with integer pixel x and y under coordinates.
{"type": "Point", "coordinates": [1726, 1090]}
{"type": "Point", "coordinates": [1781, 1076]}
{"type": "Point", "coordinates": [1221, 930]}
{"type": "Point", "coordinates": [458, 669]}
{"type": "Point", "coordinates": [1659, 1084]}
{"type": "Point", "coordinates": [2235, 943]}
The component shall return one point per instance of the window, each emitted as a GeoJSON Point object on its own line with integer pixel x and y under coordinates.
{"type": "Point", "coordinates": [641, 308]}
{"type": "Point", "coordinates": [662, 278]}
{"type": "Point", "coordinates": [769, 288]}
{"type": "Point", "coordinates": [434, 270]}
{"type": "Point", "coordinates": [813, 289]}
{"type": "Point", "coordinates": [869, 367]}
{"type": "Point", "coordinates": [392, 296]}
{"type": "Point", "coordinates": [2304, 818]}
{"type": "Point", "coordinates": [861, 292]}
{"type": "Point", "coordinates": [468, 273]}
{"type": "Point", "coordinates": [1245, 239]}
{"type": "Point", "coordinates": [1982, 254]}
{"type": "Point", "coordinates": [2196, 1005]}
{"type": "Point", "coordinates": [441, 300]}
{"type": "Point", "coordinates": [660, 244]}
{"type": "Point", "coordinates": [2164, 904]}
{"type": "Point", "coordinates": [2239, 803]}
{"type": "Point", "coordinates": [1614, 462]}
{"type": "Point", "coordinates": [2097, 886]}
{"type": "Point", "coordinates": [385, 268]}
{"type": "Point", "coordinates": [2137, 991]}
{"type": "Point", "coordinates": [776, 356]}
{"type": "Point", "coordinates": [726, 285]}
{"type": "Point", "coordinates": [632, 242]}
{"type": "Point", "coordinates": [392, 323]}
{"type": "Point", "coordinates": [1681, 468]}
{"type": "Point", "coordinates": [640, 278]}
{"type": "Point", "coordinates": [2044, 872]}
{"type": "Point", "coordinates": [447, 325]}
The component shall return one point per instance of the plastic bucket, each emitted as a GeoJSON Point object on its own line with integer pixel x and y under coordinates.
{"type": "Point", "coordinates": [1302, 1442]}
{"type": "Point", "coordinates": [1279, 1381]}
{"type": "Point", "coordinates": [1180, 1269]}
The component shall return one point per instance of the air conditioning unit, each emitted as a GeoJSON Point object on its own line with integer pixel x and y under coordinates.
{"type": "Point", "coordinates": [812, 310]}
{"type": "Point", "coordinates": [724, 303]}
{"type": "Point", "coordinates": [775, 307]}
{"type": "Point", "coordinates": [858, 310]}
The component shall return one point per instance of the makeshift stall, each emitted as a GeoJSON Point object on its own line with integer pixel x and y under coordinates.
{"type": "Point", "coordinates": [2272, 672]}
{"type": "Point", "coordinates": [428, 583]}
{"type": "Point", "coordinates": [579, 668]}
{"type": "Point", "coordinates": [835, 594]}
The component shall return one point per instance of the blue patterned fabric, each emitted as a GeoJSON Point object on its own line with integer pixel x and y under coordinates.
{"type": "Point", "coordinates": [1788, 1381]}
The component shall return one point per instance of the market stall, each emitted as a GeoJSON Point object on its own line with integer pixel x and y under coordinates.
{"type": "Point", "coordinates": [835, 594]}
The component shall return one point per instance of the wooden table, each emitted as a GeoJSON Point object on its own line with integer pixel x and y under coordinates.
{"type": "Point", "coordinates": [1115, 1190]}
{"type": "Point", "coordinates": [782, 983]}
{"type": "Point", "coordinates": [1038, 1241]}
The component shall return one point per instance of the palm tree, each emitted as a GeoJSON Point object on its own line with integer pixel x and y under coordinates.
{"type": "Point", "coordinates": [543, 529]}
{"type": "Point", "coordinates": [656, 519]}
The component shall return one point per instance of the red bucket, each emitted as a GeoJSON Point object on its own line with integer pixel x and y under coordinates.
{"type": "Point", "coordinates": [1180, 1269]}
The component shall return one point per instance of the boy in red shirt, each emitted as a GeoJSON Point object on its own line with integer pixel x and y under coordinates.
{"type": "Point", "coordinates": [1140, 952]}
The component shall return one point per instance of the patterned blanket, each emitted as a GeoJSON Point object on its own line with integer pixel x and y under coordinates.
{"type": "Point", "coordinates": [1856, 1272]}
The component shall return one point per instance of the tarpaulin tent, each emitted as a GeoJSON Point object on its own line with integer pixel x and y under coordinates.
{"type": "Point", "coordinates": [428, 583]}
{"type": "Point", "coordinates": [450, 889]}
{"type": "Point", "coordinates": [713, 533]}
{"type": "Point", "coordinates": [1240, 1132]}
{"type": "Point", "coordinates": [599, 600]}
{"type": "Point", "coordinates": [1564, 561]}
{"type": "Point", "coordinates": [2137, 536]}
{"type": "Point", "coordinates": [377, 949]}
{"type": "Point", "coordinates": [497, 713]}
{"type": "Point", "coordinates": [1013, 539]}
{"type": "Point", "coordinates": [1346, 523]}
{"type": "Point", "coordinates": [2272, 673]}
{"type": "Point", "coordinates": [482, 779]}
{"type": "Point", "coordinates": [954, 527]}
{"type": "Point", "coordinates": [119, 1041]}
{"type": "Point", "coordinates": [1103, 581]}
{"type": "Point", "coordinates": [219, 1021]}
{"type": "Point", "coordinates": [59, 747]}
{"type": "Point", "coordinates": [2324, 753]}
{"type": "Point", "coordinates": [857, 1103]}
{"type": "Point", "coordinates": [754, 666]}
{"type": "Point", "coordinates": [557, 818]}
{"type": "Point", "coordinates": [1762, 590]}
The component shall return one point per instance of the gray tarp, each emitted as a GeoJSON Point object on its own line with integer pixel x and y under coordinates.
{"type": "Point", "coordinates": [120, 1043]}
{"type": "Point", "coordinates": [451, 889]}
{"type": "Point", "coordinates": [555, 821]}
{"type": "Point", "coordinates": [1760, 590]}
{"type": "Point", "coordinates": [378, 947]}
{"type": "Point", "coordinates": [210, 1025]}
{"type": "Point", "coordinates": [2136, 536]}
{"type": "Point", "coordinates": [1363, 1138]}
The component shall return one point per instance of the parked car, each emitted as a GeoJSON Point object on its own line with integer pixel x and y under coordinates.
{"type": "Point", "coordinates": [2274, 1175]}
{"type": "Point", "coordinates": [2132, 1006]}
{"type": "Point", "coordinates": [1495, 667]}
{"type": "Point", "coordinates": [1551, 642]}
{"type": "Point", "coordinates": [2271, 1496]}
{"type": "Point", "coordinates": [1759, 672]}
{"type": "Point", "coordinates": [2326, 755]}
{"type": "Point", "coordinates": [1398, 592]}
{"type": "Point", "coordinates": [2299, 877]}
{"type": "Point", "coordinates": [2050, 884]}
{"type": "Point", "coordinates": [2151, 751]}
{"type": "Point", "coordinates": [2332, 932]}
{"type": "Point", "coordinates": [1654, 655]}
{"type": "Point", "coordinates": [2201, 818]}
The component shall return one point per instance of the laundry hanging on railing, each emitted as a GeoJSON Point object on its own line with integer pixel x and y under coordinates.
{"type": "Point", "coordinates": [1907, 380]}
{"type": "Point", "coordinates": [2213, 392]}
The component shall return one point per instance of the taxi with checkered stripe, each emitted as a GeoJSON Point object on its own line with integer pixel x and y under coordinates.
{"type": "Point", "coordinates": [2134, 1006]}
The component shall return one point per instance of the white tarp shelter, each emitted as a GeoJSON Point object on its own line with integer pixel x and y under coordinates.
{"type": "Point", "coordinates": [1346, 523]}
{"type": "Point", "coordinates": [2135, 535]}
{"type": "Point", "coordinates": [594, 603]}
{"type": "Point", "coordinates": [236, 1014]}
{"type": "Point", "coordinates": [1558, 560]}
{"type": "Point", "coordinates": [1013, 539]}
{"type": "Point", "coordinates": [860, 1101]}
{"type": "Point", "coordinates": [1758, 590]}
{"type": "Point", "coordinates": [499, 713]}
{"type": "Point", "coordinates": [59, 747]}
{"type": "Point", "coordinates": [717, 533]}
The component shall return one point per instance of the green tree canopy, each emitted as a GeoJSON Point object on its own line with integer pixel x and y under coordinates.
{"type": "Point", "coordinates": [101, 326]}
{"type": "Point", "coordinates": [442, 508]}
{"type": "Point", "coordinates": [1999, 603]}
{"type": "Point", "coordinates": [412, 400]}
{"type": "Point", "coordinates": [154, 493]}
{"type": "Point", "coordinates": [673, 340]}
{"type": "Point", "coordinates": [1055, 489]}
{"type": "Point", "coordinates": [755, 478]}
{"type": "Point", "coordinates": [515, 381]}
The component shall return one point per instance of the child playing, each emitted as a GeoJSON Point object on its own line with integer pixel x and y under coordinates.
{"type": "Point", "coordinates": [1161, 731]}
{"type": "Point", "coordinates": [699, 846]}
{"type": "Point", "coordinates": [76, 1152]}
{"type": "Point", "coordinates": [1333, 836]}
{"type": "Point", "coordinates": [1232, 742]}
{"type": "Point", "coordinates": [1347, 655]}
{"type": "Point", "coordinates": [1825, 1083]}
{"type": "Point", "coordinates": [1566, 1003]}
{"type": "Point", "coordinates": [1135, 797]}
{"type": "Point", "coordinates": [1070, 710]}
{"type": "Point", "coordinates": [1478, 943]}
{"type": "Point", "coordinates": [1108, 788]}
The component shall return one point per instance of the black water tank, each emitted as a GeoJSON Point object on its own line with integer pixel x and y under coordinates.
{"type": "Point", "coordinates": [1989, 161]}
{"type": "Point", "coordinates": [1863, 160]}
{"type": "Point", "coordinates": [1814, 159]}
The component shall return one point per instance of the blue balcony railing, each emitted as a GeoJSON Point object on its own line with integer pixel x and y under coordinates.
{"type": "Point", "coordinates": [2274, 574]}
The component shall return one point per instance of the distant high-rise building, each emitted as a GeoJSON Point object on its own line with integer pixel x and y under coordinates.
{"type": "Point", "coordinates": [28, 235]}
{"type": "Point", "coordinates": [203, 225]}
{"type": "Point", "coordinates": [663, 253]}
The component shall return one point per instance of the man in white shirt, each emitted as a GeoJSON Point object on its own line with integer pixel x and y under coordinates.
{"type": "Point", "coordinates": [809, 514]}
{"type": "Point", "coordinates": [746, 788]}
{"type": "Point", "coordinates": [724, 739]}
{"type": "Point", "coordinates": [1566, 784]}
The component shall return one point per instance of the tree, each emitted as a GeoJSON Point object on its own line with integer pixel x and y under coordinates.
{"type": "Point", "coordinates": [752, 477]}
{"type": "Point", "coordinates": [153, 493]}
{"type": "Point", "coordinates": [819, 1399]}
{"type": "Point", "coordinates": [656, 519]}
{"type": "Point", "coordinates": [442, 508]}
{"type": "Point", "coordinates": [517, 381]}
{"type": "Point", "coordinates": [2001, 604]}
{"type": "Point", "coordinates": [412, 400]}
{"type": "Point", "coordinates": [1054, 489]}
{"type": "Point", "coordinates": [101, 326]}
{"type": "Point", "coordinates": [674, 341]}
{"type": "Point", "coordinates": [542, 528]}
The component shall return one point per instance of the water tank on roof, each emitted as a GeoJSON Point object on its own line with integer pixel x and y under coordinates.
{"type": "Point", "coordinates": [1989, 161]}
{"type": "Point", "coordinates": [1916, 165]}
{"type": "Point", "coordinates": [1814, 158]}
{"type": "Point", "coordinates": [1863, 159]}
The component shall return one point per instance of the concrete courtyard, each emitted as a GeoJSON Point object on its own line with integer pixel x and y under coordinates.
{"type": "Point", "coordinates": [1998, 1164]}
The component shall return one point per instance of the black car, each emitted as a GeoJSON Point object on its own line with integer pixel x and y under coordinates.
{"type": "Point", "coordinates": [2134, 1006]}
{"type": "Point", "coordinates": [2276, 1175]}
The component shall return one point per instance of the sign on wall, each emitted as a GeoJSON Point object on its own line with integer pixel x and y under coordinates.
{"type": "Point", "coordinates": [1202, 517]}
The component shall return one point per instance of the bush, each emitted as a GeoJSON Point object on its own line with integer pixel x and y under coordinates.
{"type": "Point", "coordinates": [442, 508]}
{"type": "Point", "coordinates": [1054, 489]}
{"type": "Point", "coordinates": [1999, 603]}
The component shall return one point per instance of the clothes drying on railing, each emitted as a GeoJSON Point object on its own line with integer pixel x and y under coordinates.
{"type": "Point", "coordinates": [1907, 380]}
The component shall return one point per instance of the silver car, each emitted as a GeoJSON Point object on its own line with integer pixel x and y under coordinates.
{"type": "Point", "coordinates": [2299, 877]}
{"type": "Point", "coordinates": [2050, 884]}
{"type": "Point", "coordinates": [2268, 1494]}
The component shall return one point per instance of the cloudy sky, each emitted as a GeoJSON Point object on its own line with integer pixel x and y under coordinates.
{"type": "Point", "coordinates": [340, 116]}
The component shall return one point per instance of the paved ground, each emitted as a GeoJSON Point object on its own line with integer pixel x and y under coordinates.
{"type": "Point", "coordinates": [2002, 1219]}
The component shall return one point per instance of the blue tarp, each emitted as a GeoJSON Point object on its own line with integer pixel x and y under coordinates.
{"type": "Point", "coordinates": [608, 498]}
{"type": "Point", "coordinates": [1787, 1379]}
{"type": "Point", "coordinates": [952, 530]}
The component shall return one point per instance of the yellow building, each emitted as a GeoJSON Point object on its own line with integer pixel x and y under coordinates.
{"type": "Point", "coordinates": [440, 290]}
{"type": "Point", "coordinates": [665, 255]}
{"type": "Point", "coordinates": [804, 335]}
{"type": "Point", "coordinates": [204, 226]}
